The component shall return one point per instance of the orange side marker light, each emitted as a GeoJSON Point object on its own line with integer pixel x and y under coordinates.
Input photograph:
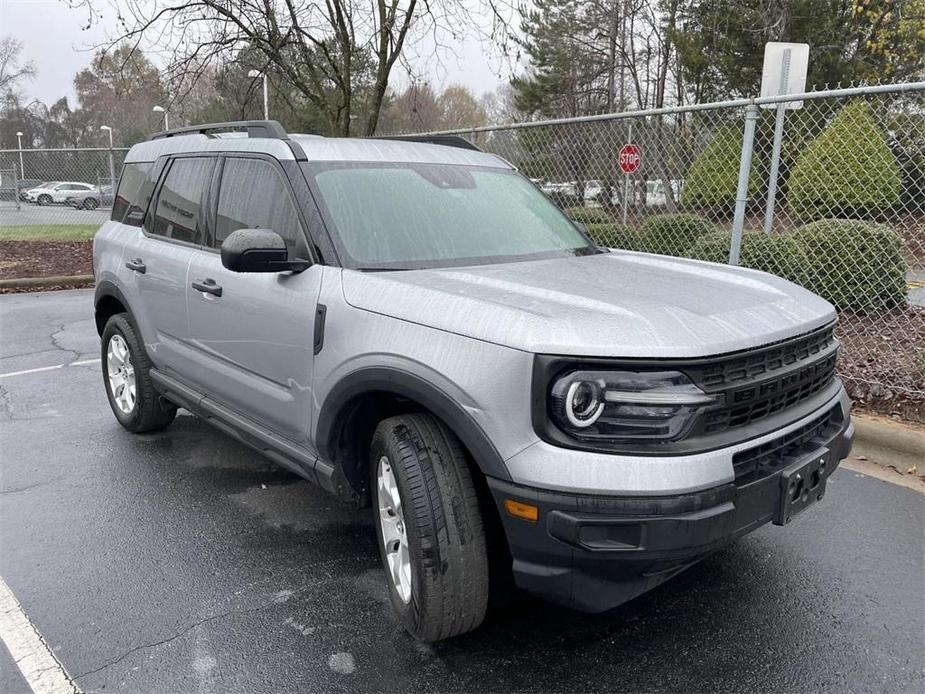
{"type": "Point", "coordinates": [518, 509]}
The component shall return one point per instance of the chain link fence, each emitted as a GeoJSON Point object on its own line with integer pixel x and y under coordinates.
{"type": "Point", "coordinates": [847, 218]}
{"type": "Point", "coordinates": [840, 210]}
{"type": "Point", "coordinates": [66, 182]}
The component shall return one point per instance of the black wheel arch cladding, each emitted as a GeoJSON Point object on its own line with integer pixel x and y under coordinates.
{"type": "Point", "coordinates": [397, 382]}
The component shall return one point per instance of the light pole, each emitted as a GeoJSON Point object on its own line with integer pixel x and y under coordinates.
{"type": "Point", "coordinates": [266, 108]}
{"type": "Point", "coordinates": [112, 165]}
{"type": "Point", "coordinates": [161, 109]}
{"type": "Point", "coordinates": [22, 171]}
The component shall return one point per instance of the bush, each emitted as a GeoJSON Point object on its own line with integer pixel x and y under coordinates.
{"type": "Point", "coordinates": [616, 236]}
{"type": "Point", "coordinates": [858, 266]}
{"type": "Point", "coordinates": [713, 179]}
{"type": "Point", "coordinates": [674, 234]}
{"type": "Point", "coordinates": [847, 171]}
{"type": "Point", "coordinates": [589, 215]}
{"type": "Point", "coordinates": [779, 254]}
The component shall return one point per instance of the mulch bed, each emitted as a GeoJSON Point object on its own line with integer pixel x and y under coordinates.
{"type": "Point", "coordinates": [889, 349]}
{"type": "Point", "coordinates": [21, 259]}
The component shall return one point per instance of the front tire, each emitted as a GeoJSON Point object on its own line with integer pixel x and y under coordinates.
{"type": "Point", "coordinates": [429, 526]}
{"type": "Point", "coordinates": [44, 200]}
{"type": "Point", "coordinates": [136, 404]}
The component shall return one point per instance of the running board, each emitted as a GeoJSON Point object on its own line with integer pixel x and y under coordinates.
{"type": "Point", "coordinates": [281, 451]}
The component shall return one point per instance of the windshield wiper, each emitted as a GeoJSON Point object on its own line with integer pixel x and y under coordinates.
{"type": "Point", "coordinates": [382, 269]}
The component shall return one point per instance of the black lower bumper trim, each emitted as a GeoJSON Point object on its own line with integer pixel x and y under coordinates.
{"type": "Point", "coordinates": [594, 553]}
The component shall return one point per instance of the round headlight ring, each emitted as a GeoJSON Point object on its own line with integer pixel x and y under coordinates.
{"type": "Point", "coordinates": [583, 403]}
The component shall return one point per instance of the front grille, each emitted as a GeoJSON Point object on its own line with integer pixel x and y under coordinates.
{"type": "Point", "coordinates": [765, 361]}
{"type": "Point", "coordinates": [756, 401]}
{"type": "Point", "coordinates": [758, 383]}
{"type": "Point", "coordinates": [773, 456]}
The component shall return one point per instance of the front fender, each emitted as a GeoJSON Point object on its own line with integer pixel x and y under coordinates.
{"type": "Point", "coordinates": [408, 385]}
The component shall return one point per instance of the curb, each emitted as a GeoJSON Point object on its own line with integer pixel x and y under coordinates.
{"type": "Point", "coordinates": [888, 443]}
{"type": "Point", "coordinates": [39, 282]}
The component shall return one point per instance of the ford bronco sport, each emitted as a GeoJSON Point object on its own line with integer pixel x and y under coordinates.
{"type": "Point", "coordinates": [414, 326]}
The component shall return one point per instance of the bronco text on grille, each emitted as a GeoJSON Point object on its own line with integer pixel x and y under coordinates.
{"type": "Point", "coordinates": [762, 382]}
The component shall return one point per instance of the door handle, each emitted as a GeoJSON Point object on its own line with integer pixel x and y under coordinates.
{"type": "Point", "coordinates": [136, 265]}
{"type": "Point", "coordinates": [208, 286]}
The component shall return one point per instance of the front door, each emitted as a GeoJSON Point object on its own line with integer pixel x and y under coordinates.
{"type": "Point", "coordinates": [252, 333]}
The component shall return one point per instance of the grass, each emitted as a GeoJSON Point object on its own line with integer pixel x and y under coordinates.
{"type": "Point", "coordinates": [49, 232]}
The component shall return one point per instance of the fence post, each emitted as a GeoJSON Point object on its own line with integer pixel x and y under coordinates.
{"type": "Point", "coordinates": [775, 163]}
{"type": "Point", "coordinates": [745, 165]}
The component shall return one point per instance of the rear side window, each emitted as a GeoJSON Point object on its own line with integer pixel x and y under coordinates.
{"type": "Point", "coordinates": [133, 195]}
{"type": "Point", "coordinates": [253, 195]}
{"type": "Point", "coordinates": [178, 214]}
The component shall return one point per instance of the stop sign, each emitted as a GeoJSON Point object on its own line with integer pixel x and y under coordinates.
{"type": "Point", "coordinates": [630, 158]}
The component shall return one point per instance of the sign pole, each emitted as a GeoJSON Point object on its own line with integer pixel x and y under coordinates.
{"type": "Point", "coordinates": [626, 176]}
{"type": "Point", "coordinates": [778, 137]}
{"type": "Point", "coordinates": [745, 165]}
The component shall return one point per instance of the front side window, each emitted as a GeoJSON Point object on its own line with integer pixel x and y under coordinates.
{"type": "Point", "coordinates": [403, 216]}
{"type": "Point", "coordinates": [133, 194]}
{"type": "Point", "coordinates": [178, 213]}
{"type": "Point", "coordinates": [254, 196]}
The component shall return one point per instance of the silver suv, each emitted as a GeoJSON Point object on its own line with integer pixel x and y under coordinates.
{"type": "Point", "coordinates": [414, 326]}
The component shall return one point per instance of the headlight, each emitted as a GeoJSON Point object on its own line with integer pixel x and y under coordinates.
{"type": "Point", "coordinates": [625, 406]}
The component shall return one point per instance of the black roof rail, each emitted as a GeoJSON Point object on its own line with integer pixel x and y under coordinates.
{"type": "Point", "coordinates": [255, 128]}
{"type": "Point", "coordinates": [445, 140]}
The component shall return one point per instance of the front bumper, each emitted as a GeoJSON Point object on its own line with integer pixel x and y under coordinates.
{"type": "Point", "coordinates": [594, 552]}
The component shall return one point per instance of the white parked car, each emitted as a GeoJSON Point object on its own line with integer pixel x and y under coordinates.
{"type": "Point", "coordinates": [58, 192]}
{"type": "Point", "coordinates": [655, 192]}
{"type": "Point", "coordinates": [593, 190]}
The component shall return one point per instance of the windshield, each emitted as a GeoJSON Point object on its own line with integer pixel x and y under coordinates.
{"type": "Point", "coordinates": [402, 216]}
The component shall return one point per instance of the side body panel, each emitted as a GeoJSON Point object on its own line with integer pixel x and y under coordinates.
{"type": "Point", "coordinates": [251, 347]}
{"type": "Point", "coordinates": [158, 295]}
{"type": "Point", "coordinates": [108, 248]}
{"type": "Point", "coordinates": [489, 384]}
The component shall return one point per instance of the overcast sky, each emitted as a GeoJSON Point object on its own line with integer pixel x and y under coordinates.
{"type": "Point", "coordinates": [53, 37]}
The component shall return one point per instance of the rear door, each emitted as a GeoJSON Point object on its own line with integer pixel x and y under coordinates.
{"type": "Point", "coordinates": [157, 261]}
{"type": "Point", "coordinates": [253, 333]}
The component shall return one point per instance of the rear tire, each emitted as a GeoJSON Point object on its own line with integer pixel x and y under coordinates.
{"type": "Point", "coordinates": [91, 204]}
{"type": "Point", "coordinates": [136, 404]}
{"type": "Point", "coordinates": [439, 524]}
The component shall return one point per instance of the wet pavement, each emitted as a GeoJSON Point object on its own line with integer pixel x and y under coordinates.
{"type": "Point", "coordinates": [182, 561]}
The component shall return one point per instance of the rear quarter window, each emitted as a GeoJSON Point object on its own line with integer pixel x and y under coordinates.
{"type": "Point", "coordinates": [133, 194]}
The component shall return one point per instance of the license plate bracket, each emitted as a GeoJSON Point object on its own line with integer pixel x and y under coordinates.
{"type": "Point", "coordinates": [803, 484]}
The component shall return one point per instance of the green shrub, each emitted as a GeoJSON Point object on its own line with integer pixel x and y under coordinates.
{"type": "Point", "coordinates": [674, 234]}
{"type": "Point", "coordinates": [616, 236]}
{"type": "Point", "coordinates": [858, 266]}
{"type": "Point", "coordinates": [589, 215]}
{"type": "Point", "coordinates": [713, 179]}
{"type": "Point", "coordinates": [779, 254]}
{"type": "Point", "coordinates": [847, 171]}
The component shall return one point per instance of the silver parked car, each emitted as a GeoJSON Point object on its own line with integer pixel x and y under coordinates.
{"type": "Point", "coordinates": [415, 327]}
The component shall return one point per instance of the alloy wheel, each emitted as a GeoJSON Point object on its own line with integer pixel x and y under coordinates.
{"type": "Point", "coordinates": [121, 373]}
{"type": "Point", "coordinates": [394, 533]}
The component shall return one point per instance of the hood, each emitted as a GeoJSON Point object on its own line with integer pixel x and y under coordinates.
{"type": "Point", "coordinates": [619, 304]}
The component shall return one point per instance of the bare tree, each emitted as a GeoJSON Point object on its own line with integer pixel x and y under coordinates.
{"type": "Point", "coordinates": [12, 69]}
{"type": "Point", "coordinates": [338, 55]}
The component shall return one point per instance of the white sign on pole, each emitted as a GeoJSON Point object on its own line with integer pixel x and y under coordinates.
{"type": "Point", "coordinates": [784, 71]}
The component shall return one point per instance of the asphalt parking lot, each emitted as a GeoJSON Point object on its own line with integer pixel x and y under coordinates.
{"type": "Point", "coordinates": [181, 561]}
{"type": "Point", "coordinates": [37, 215]}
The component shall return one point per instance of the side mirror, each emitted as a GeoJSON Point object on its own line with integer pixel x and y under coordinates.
{"type": "Point", "coordinates": [581, 226]}
{"type": "Point", "coordinates": [258, 250]}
